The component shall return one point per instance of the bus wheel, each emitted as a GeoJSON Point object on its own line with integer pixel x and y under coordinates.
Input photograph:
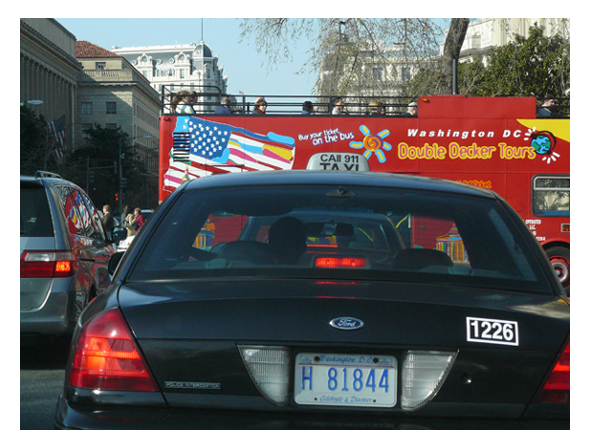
{"type": "Point", "coordinates": [560, 258]}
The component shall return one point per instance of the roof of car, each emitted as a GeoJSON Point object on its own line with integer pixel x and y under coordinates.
{"type": "Point", "coordinates": [41, 177]}
{"type": "Point", "coordinates": [309, 177]}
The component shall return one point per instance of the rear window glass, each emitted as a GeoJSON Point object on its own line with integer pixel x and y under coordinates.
{"type": "Point", "coordinates": [318, 232]}
{"type": "Point", "coordinates": [35, 217]}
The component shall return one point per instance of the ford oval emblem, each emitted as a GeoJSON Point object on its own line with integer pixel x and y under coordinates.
{"type": "Point", "coordinates": [346, 323]}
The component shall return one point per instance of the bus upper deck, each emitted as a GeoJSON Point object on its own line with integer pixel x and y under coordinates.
{"type": "Point", "coordinates": [202, 100]}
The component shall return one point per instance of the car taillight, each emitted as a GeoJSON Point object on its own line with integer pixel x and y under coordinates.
{"type": "Point", "coordinates": [107, 357]}
{"type": "Point", "coordinates": [340, 262]}
{"type": "Point", "coordinates": [558, 386]}
{"type": "Point", "coordinates": [46, 264]}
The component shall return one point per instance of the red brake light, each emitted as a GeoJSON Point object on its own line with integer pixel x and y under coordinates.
{"type": "Point", "coordinates": [340, 262]}
{"type": "Point", "coordinates": [46, 264]}
{"type": "Point", "coordinates": [558, 386]}
{"type": "Point", "coordinates": [107, 358]}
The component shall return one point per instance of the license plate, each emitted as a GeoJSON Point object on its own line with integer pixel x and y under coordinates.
{"type": "Point", "coordinates": [345, 380]}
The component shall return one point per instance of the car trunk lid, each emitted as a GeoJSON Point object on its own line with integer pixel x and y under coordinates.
{"type": "Point", "coordinates": [191, 334]}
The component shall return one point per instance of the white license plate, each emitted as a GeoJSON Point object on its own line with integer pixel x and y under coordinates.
{"type": "Point", "coordinates": [346, 380]}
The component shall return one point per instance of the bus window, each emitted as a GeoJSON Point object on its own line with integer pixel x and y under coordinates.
{"type": "Point", "coordinates": [551, 195]}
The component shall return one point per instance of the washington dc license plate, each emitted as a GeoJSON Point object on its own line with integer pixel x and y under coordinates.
{"type": "Point", "coordinates": [346, 380]}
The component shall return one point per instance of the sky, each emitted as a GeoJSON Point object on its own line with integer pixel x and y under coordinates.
{"type": "Point", "coordinates": [246, 70]}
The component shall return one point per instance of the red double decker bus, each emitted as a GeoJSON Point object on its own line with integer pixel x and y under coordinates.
{"type": "Point", "coordinates": [494, 143]}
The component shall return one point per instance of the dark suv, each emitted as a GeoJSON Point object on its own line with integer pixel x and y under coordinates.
{"type": "Point", "coordinates": [64, 252]}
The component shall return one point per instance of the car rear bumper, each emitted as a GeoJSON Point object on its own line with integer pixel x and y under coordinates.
{"type": "Point", "coordinates": [56, 316]}
{"type": "Point", "coordinates": [128, 418]}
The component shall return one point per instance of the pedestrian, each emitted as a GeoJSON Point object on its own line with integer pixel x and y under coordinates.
{"type": "Point", "coordinates": [128, 220]}
{"type": "Point", "coordinates": [108, 221]}
{"type": "Point", "coordinates": [126, 210]}
{"type": "Point", "coordinates": [139, 219]}
{"type": "Point", "coordinates": [225, 107]}
{"type": "Point", "coordinates": [260, 106]}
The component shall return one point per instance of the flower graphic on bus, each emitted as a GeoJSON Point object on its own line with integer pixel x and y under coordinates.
{"type": "Point", "coordinates": [543, 143]}
{"type": "Point", "coordinates": [372, 143]}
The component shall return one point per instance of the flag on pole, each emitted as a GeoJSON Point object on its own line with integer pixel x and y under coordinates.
{"type": "Point", "coordinates": [57, 129]}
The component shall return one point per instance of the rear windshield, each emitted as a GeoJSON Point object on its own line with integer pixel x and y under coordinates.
{"type": "Point", "coordinates": [35, 217]}
{"type": "Point", "coordinates": [322, 232]}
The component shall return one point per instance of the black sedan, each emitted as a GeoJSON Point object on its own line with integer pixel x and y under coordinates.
{"type": "Point", "coordinates": [303, 300]}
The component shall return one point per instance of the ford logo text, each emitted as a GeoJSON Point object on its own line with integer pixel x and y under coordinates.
{"type": "Point", "coordinates": [346, 323]}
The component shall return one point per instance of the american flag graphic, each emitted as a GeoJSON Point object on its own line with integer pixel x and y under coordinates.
{"type": "Point", "coordinates": [57, 129]}
{"type": "Point", "coordinates": [202, 148]}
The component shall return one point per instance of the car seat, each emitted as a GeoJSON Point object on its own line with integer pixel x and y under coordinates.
{"type": "Point", "coordinates": [287, 239]}
{"type": "Point", "coordinates": [420, 258]}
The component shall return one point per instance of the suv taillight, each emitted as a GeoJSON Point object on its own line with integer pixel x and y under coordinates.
{"type": "Point", "coordinates": [46, 264]}
{"type": "Point", "coordinates": [558, 386]}
{"type": "Point", "coordinates": [107, 357]}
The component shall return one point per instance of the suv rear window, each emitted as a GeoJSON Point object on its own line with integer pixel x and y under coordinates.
{"type": "Point", "coordinates": [35, 217]}
{"type": "Point", "coordinates": [314, 232]}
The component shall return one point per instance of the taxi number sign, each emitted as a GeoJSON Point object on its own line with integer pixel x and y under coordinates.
{"type": "Point", "coordinates": [338, 161]}
{"type": "Point", "coordinates": [345, 380]}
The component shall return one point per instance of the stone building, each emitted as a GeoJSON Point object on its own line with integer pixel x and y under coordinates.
{"type": "Point", "coordinates": [112, 93]}
{"type": "Point", "coordinates": [48, 71]}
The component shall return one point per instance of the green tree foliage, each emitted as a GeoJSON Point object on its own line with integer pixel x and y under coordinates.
{"type": "Point", "coordinates": [93, 165]}
{"type": "Point", "coordinates": [534, 66]}
{"type": "Point", "coordinates": [98, 162]}
{"type": "Point", "coordinates": [36, 143]}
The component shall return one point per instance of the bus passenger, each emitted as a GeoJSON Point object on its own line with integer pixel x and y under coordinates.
{"type": "Point", "coordinates": [544, 111]}
{"type": "Point", "coordinates": [411, 110]}
{"type": "Point", "coordinates": [181, 103]}
{"type": "Point", "coordinates": [376, 108]}
{"type": "Point", "coordinates": [338, 106]}
{"type": "Point", "coordinates": [260, 106]}
{"type": "Point", "coordinates": [224, 108]}
{"type": "Point", "coordinates": [194, 100]}
{"type": "Point", "coordinates": [307, 108]}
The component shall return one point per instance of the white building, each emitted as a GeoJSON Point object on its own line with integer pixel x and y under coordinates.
{"type": "Point", "coordinates": [172, 68]}
{"type": "Point", "coordinates": [485, 34]}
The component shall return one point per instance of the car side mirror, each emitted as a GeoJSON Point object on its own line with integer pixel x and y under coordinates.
{"type": "Point", "coordinates": [114, 262]}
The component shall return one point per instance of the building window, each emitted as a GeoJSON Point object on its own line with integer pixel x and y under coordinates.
{"type": "Point", "coordinates": [100, 65]}
{"type": "Point", "coordinates": [112, 126]}
{"type": "Point", "coordinates": [111, 108]}
{"type": "Point", "coordinates": [377, 74]}
{"type": "Point", "coordinates": [86, 108]}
